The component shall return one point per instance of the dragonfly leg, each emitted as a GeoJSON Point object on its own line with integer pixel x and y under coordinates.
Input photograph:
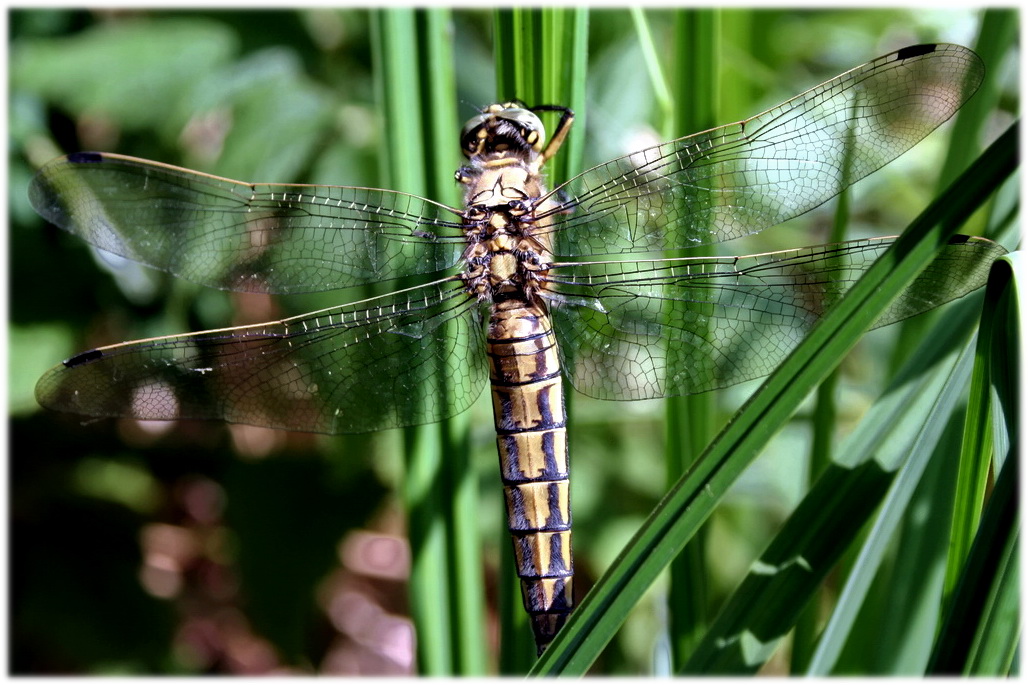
{"type": "Point", "coordinates": [563, 128]}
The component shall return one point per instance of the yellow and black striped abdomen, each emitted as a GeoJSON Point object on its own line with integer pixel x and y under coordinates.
{"type": "Point", "coordinates": [528, 406]}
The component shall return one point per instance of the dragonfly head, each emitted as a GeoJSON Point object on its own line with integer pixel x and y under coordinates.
{"type": "Point", "coordinates": [502, 130]}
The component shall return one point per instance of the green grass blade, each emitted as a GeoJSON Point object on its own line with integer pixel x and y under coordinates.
{"type": "Point", "coordinates": [541, 59]}
{"type": "Point", "coordinates": [981, 631]}
{"type": "Point", "coordinates": [1004, 324]}
{"type": "Point", "coordinates": [441, 126]}
{"type": "Point", "coordinates": [975, 469]}
{"type": "Point", "coordinates": [996, 648]}
{"type": "Point", "coordinates": [686, 506]}
{"type": "Point", "coordinates": [505, 42]}
{"type": "Point", "coordinates": [897, 639]}
{"type": "Point", "coordinates": [831, 516]}
{"type": "Point", "coordinates": [574, 64]}
{"type": "Point", "coordinates": [972, 477]}
{"type": "Point", "coordinates": [658, 82]}
{"type": "Point", "coordinates": [892, 607]}
{"type": "Point", "coordinates": [848, 639]}
{"type": "Point", "coordinates": [398, 85]}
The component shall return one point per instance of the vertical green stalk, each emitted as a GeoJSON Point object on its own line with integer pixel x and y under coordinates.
{"type": "Point", "coordinates": [694, 93]}
{"type": "Point", "coordinates": [541, 60]}
{"type": "Point", "coordinates": [415, 84]}
{"type": "Point", "coordinates": [661, 89]}
{"type": "Point", "coordinates": [568, 54]}
{"type": "Point", "coordinates": [436, 60]}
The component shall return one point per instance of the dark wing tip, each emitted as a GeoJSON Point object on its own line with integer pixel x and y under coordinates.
{"type": "Point", "coordinates": [915, 51]}
{"type": "Point", "coordinates": [83, 358]}
{"type": "Point", "coordinates": [85, 157]}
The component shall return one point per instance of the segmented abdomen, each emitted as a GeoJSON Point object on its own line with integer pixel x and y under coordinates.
{"type": "Point", "coordinates": [528, 406]}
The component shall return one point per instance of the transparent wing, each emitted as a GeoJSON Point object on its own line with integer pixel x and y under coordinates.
{"type": "Point", "coordinates": [742, 178]}
{"type": "Point", "coordinates": [242, 236]}
{"type": "Point", "coordinates": [410, 357]}
{"type": "Point", "coordinates": [642, 329]}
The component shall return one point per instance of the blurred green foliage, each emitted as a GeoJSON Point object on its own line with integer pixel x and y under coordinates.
{"type": "Point", "coordinates": [287, 96]}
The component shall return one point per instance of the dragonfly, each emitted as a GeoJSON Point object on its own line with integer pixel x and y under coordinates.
{"type": "Point", "coordinates": [523, 288]}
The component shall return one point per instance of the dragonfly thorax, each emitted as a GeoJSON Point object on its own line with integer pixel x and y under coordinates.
{"type": "Point", "coordinates": [506, 250]}
{"type": "Point", "coordinates": [504, 264]}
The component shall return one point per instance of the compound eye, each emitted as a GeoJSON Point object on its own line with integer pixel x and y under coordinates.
{"type": "Point", "coordinates": [473, 133]}
{"type": "Point", "coordinates": [472, 124]}
{"type": "Point", "coordinates": [471, 143]}
{"type": "Point", "coordinates": [530, 126]}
